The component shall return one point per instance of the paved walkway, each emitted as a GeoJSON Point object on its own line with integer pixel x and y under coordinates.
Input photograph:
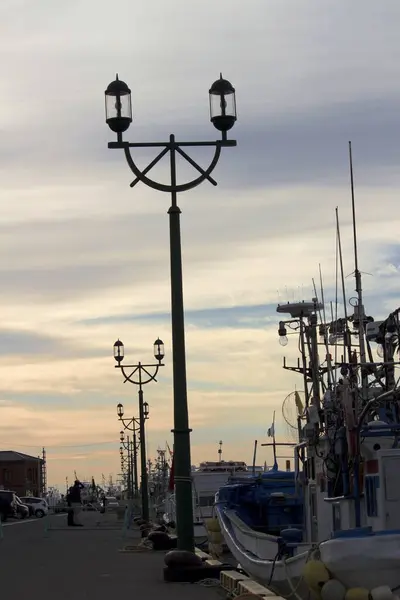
{"type": "Point", "coordinates": [84, 564]}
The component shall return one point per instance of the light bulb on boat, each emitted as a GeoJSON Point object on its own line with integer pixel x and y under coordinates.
{"type": "Point", "coordinates": [380, 351]}
{"type": "Point", "coordinates": [283, 340]}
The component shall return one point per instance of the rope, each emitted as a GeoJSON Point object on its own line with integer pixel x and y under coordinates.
{"type": "Point", "coordinates": [143, 546]}
{"type": "Point", "coordinates": [293, 588]}
{"type": "Point", "coordinates": [209, 582]}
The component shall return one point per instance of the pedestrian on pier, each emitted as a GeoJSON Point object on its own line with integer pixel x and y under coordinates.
{"type": "Point", "coordinates": [76, 502]}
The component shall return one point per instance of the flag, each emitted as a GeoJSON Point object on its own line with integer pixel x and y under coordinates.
{"type": "Point", "coordinates": [171, 483]}
{"type": "Point", "coordinates": [271, 430]}
{"type": "Point", "coordinates": [298, 402]}
{"type": "Point", "coordinates": [169, 449]}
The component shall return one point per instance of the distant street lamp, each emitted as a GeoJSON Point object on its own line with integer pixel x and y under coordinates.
{"type": "Point", "coordinates": [132, 425]}
{"type": "Point", "coordinates": [143, 377]}
{"type": "Point", "coordinates": [223, 116]}
{"type": "Point", "coordinates": [128, 445]}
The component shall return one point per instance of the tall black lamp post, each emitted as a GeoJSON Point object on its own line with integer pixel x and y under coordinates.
{"type": "Point", "coordinates": [143, 376]}
{"type": "Point", "coordinates": [223, 117]}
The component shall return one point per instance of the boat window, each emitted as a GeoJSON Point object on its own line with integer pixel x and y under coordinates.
{"type": "Point", "coordinates": [391, 470]}
{"type": "Point", "coordinates": [371, 487]}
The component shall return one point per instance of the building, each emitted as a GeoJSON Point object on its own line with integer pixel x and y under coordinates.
{"type": "Point", "coordinates": [21, 473]}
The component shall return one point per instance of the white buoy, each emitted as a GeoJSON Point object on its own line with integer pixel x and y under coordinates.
{"type": "Point", "coordinates": [357, 594]}
{"type": "Point", "coordinates": [333, 590]}
{"type": "Point", "coordinates": [383, 592]}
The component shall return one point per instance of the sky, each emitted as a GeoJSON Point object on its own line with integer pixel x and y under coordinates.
{"type": "Point", "coordinates": [84, 259]}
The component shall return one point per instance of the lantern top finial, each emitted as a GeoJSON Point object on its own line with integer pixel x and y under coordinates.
{"type": "Point", "coordinates": [117, 88]}
{"type": "Point", "coordinates": [221, 87]}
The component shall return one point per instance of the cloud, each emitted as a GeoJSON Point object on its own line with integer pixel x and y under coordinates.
{"type": "Point", "coordinates": [84, 258]}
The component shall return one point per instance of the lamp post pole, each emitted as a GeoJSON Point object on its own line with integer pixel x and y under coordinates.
{"type": "Point", "coordinates": [135, 469]}
{"type": "Point", "coordinates": [223, 117]}
{"type": "Point", "coordinates": [144, 376]}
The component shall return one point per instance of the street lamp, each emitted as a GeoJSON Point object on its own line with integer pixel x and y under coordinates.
{"type": "Point", "coordinates": [146, 411]}
{"type": "Point", "coordinates": [131, 425]}
{"type": "Point", "coordinates": [143, 376]}
{"type": "Point", "coordinates": [223, 116]}
{"type": "Point", "coordinates": [118, 106]}
{"type": "Point", "coordinates": [129, 462]}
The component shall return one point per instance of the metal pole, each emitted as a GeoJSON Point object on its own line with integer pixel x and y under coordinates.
{"type": "Point", "coordinates": [143, 463]}
{"type": "Point", "coordinates": [132, 470]}
{"type": "Point", "coordinates": [129, 485]}
{"type": "Point", "coordinates": [135, 469]}
{"type": "Point", "coordinates": [181, 431]}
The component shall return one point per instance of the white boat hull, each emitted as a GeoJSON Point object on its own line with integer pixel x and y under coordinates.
{"type": "Point", "coordinates": [370, 561]}
{"type": "Point", "coordinates": [366, 561]}
{"type": "Point", "coordinates": [282, 577]}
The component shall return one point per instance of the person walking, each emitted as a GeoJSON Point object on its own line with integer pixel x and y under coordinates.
{"type": "Point", "coordinates": [70, 512]}
{"type": "Point", "coordinates": [76, 502]}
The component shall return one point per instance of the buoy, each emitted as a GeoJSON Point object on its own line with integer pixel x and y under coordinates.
{"type": "Point", "coordinates": [333, 590]}
{"type": "Point", "coordinates": [357, 594]}
{"type": "Point", "coordinates": [212, 525]}
{"type": "Point", "coordinates": [216, 537]}
{"type": "Point", "coordinates": [315, 575]}
{"type": "Point", "coordinates": [383, 592]}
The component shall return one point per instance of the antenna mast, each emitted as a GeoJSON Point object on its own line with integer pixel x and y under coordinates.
{"type": "Point", "coordinates": [360, 307]}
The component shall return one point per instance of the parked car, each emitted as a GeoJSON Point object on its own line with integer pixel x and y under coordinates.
{"type": "Point", "coordinates": [7, 504]}
{"type": "Point", "coordinates": [37, 506]}
{"type": "Point", "coordinates": [22, 509]}
{"type": "Point", "coordinates": [109, 503]}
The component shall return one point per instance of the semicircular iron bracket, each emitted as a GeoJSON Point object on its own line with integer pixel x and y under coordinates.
{"type": "Point", "coordinates": [183, 187]}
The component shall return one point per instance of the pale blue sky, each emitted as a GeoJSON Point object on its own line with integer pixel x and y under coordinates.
{"type": "Point", "coordinates": [84, 258]}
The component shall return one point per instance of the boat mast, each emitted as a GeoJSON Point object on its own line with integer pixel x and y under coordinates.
{"type": "Point", "coordinates": [275, 467]}
{"type": "Point", "coordinates": [357, 275]}
{"type": "Point", "coordinates": [255, 456]}
{"type": "Point", "coordinates": [347, 339]}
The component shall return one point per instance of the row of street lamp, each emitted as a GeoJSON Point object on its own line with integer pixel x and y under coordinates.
{"type": "Point", "coordinates": [119, 117]}
{"type": "Point", "coordinates": [139, 375]}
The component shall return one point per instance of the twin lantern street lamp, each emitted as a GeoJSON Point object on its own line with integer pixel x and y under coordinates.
{"type": "Point", "coordinates": [120, 410]}
{"type": "Point", "coordinates": [140, 375]}
{"type": "Point", "coordinates": [223, 116]}
{"type": "Point", "coordinates": [222, 106]}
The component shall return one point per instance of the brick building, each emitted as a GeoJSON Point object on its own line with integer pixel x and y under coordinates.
{"type": "Point", "coordinates": [21, 473]}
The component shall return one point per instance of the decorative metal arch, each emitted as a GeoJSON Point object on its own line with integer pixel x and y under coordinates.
{"type": "Point", "coordinates": [172, 147]}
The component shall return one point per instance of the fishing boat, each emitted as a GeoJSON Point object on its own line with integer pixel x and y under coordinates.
{"type": "Point", "coordinates": [207, 479]}
{"type": "Point", "coordinates": [347, 459]}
